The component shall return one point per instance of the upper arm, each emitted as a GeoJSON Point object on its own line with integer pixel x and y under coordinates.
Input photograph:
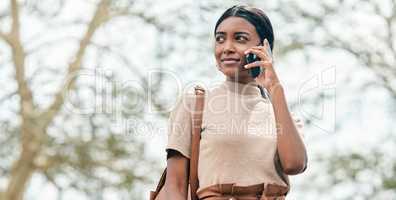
{"type": "Point", "coordinates": [179, 148]}
{"type": "Point", "coordinates": [299, 123]}
{"type": "Point", "coordinates": [179, 126]}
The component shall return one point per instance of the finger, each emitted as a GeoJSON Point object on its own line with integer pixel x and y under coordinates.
{"type": "Point", "coordinates": [267, 48]}
{"type": "Point", "coordinates": [263, 49]}
{"type": "Point", "coordinates": [261, 54]}
{"type": "Point", "coordinates": [263, 64]}
{"type": "Point", "coordinates": [260, 48]}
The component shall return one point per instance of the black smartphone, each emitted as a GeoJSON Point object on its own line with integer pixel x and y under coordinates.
{"type": "Point", "coordinates": [250, 58]}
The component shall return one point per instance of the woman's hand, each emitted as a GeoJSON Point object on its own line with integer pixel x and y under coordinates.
{"type": "Point", "coordinates": [267, 78]}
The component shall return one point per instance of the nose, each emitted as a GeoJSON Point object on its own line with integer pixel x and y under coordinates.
{"type": "Point", "coordinates": [228, 47]}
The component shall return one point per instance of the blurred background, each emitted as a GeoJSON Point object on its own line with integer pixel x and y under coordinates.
{"type": "Point", "coordinates": [87, 86]}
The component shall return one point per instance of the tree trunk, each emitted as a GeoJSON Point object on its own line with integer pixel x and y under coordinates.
{"type": "Point", "coordinates": [23, 169]}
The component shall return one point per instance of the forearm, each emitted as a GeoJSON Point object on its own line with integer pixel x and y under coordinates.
{"type": "Point", "coordinates": [291, 148]}
{"type": "Point", "coordinates": [176, 184]}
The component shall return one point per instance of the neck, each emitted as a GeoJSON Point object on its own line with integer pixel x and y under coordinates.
{"type": "Point", "coordinates": [240, 80]}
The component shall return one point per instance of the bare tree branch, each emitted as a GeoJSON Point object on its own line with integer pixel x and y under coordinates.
{"type": "Point", "coordinates": [51, 179]}
{"type": "Point", "coordinates": [48, 43]}
{"type": "Point", "coordinates": [101, 16]}
{"type": "Point", "coordinates": [18, 57]}
{"type": "Point", "coordinates": [5, 37]}
{"type": "Point", "coordinates": [33, 131]}
{"type": "Point", "coordinates": [390, 34]}
{"type": "Point", "coordinates": [21, 170]}
{"type": "Point", "coordinates": [142, 15]}
{"type": "Point", "coordinates": [7, 96]}
{"type": "Point", "coordinates": [374, 60]}
{"type": "Point", "coordinates": [131, 66]}
{"type": "Point", "coordinates": [15, 17]}
{"type": "Point", "coordinates": [34, 6]}
{"type": "Point", "coordinates": [88, 148]}
{"type": "Point", "coordinates": [44, 162]}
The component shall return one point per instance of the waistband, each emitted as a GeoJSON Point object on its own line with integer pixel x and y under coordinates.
{"type": "Point", "coordinates": [258, 191]}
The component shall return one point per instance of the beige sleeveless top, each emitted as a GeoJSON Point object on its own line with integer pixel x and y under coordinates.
{"type": "Point", "coordinates": [238, 141]}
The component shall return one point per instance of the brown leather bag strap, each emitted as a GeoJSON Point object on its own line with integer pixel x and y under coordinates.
{"type": "Point", "coordinates": [195, 140]}
{"type": "Point", "coordinates": [160, 185]}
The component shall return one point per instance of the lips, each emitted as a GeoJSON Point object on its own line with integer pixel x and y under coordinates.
{"type": "Point", "coordinates": [230, 61]}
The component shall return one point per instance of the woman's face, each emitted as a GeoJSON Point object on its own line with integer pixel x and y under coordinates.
{"type": "Point", "coordinates": [233, 37]}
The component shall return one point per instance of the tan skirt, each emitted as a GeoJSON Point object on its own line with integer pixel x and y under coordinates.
{"type": "Point", "coordinates": [253, 192]}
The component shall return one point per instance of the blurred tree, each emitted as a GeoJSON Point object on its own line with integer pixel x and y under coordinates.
{"type": "Point", "coordinates": [339, 25]}
{"type": "Point", "coordinates": [365, 32]}
{"type": "Point", "coordinates": [77, 143]}
{"type": "Point", "coordinates": [71, 135]}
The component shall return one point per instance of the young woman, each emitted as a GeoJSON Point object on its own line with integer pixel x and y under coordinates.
{"type": "Point", "coordinates": [250, 141]}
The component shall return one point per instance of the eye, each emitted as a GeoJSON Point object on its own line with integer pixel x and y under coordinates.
{"type": "Point", "coordinates": [241, 38]}
{"type": "Point", "coordinates": [220, 38]}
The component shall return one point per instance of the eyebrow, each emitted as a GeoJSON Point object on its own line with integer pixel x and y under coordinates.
{"type": "Point", "coordinates": [220, 33]}
{"type": "Point", "coordinates": [243, 33]}
{"type": "Point", "coordinates": [236, 33]}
